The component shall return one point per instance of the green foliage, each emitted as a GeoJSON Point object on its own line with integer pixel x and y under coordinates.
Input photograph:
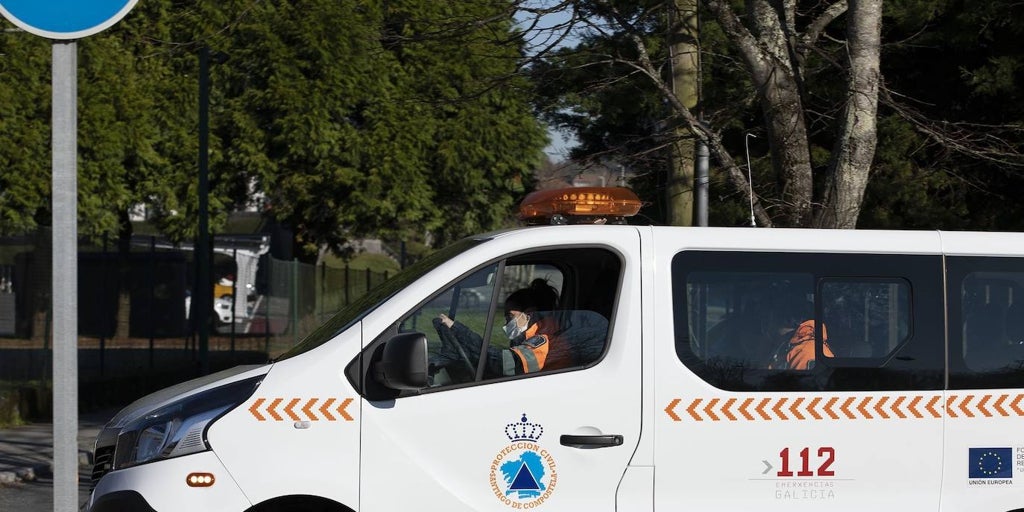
{"type": "Point", "coordinates": [958, 63]}
{"type": "Point", "coordinates": [378, 263]}
{"type": "Point", "coordinates": [351, 118]}
{"type": "Point", "coordinates": [617, 113]}
{"type": "Point", "coordinates": [24, 132]}
{"type": "Point", "coordinates": [470, 105]}
{"type": "Point", "coordinates": [904, 194]}
{"type": "Point", "coordinates": [407, 120]}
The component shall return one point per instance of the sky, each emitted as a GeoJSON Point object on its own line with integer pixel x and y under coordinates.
{"type": "Point", "coordinates": [560, 143]}
{"type": "Point", "coordinates": [558, 148]}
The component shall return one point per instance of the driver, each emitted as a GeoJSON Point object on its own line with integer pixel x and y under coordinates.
{"type": "Point", "coordinates": [529, 328]}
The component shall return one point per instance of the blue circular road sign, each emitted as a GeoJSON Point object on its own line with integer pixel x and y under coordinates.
{"type": "Point", "coordinates": [65, 19]}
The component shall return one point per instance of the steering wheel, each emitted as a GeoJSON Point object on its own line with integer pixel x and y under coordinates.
{"type": "Point", "coordinates": [448, 339]}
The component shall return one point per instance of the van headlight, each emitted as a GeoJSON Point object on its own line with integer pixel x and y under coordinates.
{"type": "Point", "coordinates": [178, 428]}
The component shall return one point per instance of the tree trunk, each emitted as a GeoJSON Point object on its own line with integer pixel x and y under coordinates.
{"type": "Point", "coordinates": [782, 108]}
{"type": "Point", "coordinates": [857, 135]}
{"type": "Point", "coordinates": [772, 51]}
{"type": "Point", "coordinates": [124, 301]}
{"type": "Point", "coordinates": [767, 56]}
{"type": "Point", "coordinates": [683, 34]}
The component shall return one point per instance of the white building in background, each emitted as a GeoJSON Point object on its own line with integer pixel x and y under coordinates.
{"type": "Point", "coordinates": [601, 174]}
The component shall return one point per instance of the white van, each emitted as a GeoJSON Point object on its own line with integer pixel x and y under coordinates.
{"type": "Point", "coordinates": [678, 369]}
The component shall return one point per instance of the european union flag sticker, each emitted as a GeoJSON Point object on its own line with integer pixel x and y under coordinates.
{"type": "Point", "coordinates": [990, 463]}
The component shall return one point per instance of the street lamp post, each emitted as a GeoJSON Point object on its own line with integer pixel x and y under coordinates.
{"type": "Point", "coordinates": [201, 297]}
{"type": "Point", "coordinates": [203, 254]}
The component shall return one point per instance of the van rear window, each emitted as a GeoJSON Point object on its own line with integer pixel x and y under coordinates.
{"type": "Point", "coordinates": [777, 321]}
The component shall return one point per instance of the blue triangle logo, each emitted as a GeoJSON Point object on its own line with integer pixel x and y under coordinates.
{"type": "Point", "coordinates": [524, 480]}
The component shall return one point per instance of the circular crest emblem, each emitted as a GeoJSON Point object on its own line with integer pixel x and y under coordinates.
{"type": "Point", "coordinates": [523, 473]}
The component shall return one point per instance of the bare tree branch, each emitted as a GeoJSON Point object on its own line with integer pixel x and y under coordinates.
{"type": "Point", "coordinates": [982, 142]}
{"type": "Point", "coordinates": [709, 137]}
{"type": "Point", "coordinates": [818, 25]}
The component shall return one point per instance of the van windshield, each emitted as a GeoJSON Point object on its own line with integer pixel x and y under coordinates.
{"type": "Point", "coordinates": [362, 306]}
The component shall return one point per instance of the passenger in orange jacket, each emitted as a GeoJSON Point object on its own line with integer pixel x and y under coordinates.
{"type": "Point", "coordinates": [800, 354]}
{"type": "Point", "coordinates": [796, 351]}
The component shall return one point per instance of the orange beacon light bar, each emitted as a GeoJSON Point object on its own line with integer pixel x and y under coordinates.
{"type": "Point", "coordinates": [579, 205]}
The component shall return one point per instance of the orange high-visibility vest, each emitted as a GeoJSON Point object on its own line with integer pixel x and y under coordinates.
{"type": "Point", "coordinates": [533, 353]}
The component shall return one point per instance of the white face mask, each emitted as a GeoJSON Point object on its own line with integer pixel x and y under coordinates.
{"type": "Point", "coordinates": [512, 328]}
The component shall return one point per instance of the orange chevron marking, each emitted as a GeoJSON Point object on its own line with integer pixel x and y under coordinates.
{"type": "Point", "coordinates": [270, 409]}
{"type": "Point", "coordinates": [793, 408]}
{"type": "Point", "coordinates": [879, 407]}
{"type": "Point", "coordinates": [778, 409]}
{"type": "Point", "coordinates": [289, 409]}
{"type": "Point", "coordinates": [760, 409]}
{"type": "Point", "coordinates": [949, 406]}
{"type": "Point", "coordinates": [863, 409]}
{"type": "Point", "coordinates": [812, 406]}
{"type": "Point", "coordinates": [1014, 406]}
{"type": "Point", "coordinates": [308, 409]}
{"type": "Point", "coordinates": [981, 406]}
{"type": "Point", "coordinates": [998, 406]}
{"type": "Point", "coordinates": [669, 410]}
{"type": "Point", "coordinates": [254, 410]}
{"type": "Point", "coordinates": [341, 409]}
{"type": "Point", "coordinates": [828, 407]}
{"type": "Point", "coordinates": [912, 407]}
{"type": "Point", "coordinates": [743, 409]}
{"type": "Point", "coordinates": [963, 406]}
{"type": "Point", "coordinates": [324, 409]}
{"type": "Point", "coordinates": [709, 412]}
{"type": "Point", "coordinates": [693, 405]}
{"type": "Point", "coordinates": [846, 408]}
{"type": "Point", "coordinates": [725, 409]}
{"type": "Point", "coordinates": [896, 407]}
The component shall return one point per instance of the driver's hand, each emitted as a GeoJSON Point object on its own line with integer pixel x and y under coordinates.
{"type": "Point", "coordinates": [448, 322]}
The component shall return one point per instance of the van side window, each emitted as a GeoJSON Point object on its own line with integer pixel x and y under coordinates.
{"type": "Point", "coordinates": [526, 315]}
{"type": "Point", "coordinates": [805, 321]}
{"type": "Point", "coordinates": [866, 319]}
{"type": "Point", "coordinates": [747, 319]}
{"type": "Point", "coordinates": [992, 320]}
{"type": "Point", "coordinates": [986, 322]}
{"type": "Point", "coordinates": [449, 347]}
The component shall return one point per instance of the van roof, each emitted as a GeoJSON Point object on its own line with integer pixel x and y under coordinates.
{"type": "Point", "coordinates": [958, 243]}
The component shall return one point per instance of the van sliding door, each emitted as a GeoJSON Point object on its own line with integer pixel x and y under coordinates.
{"type": "Point", "coordinates": [800, 380]}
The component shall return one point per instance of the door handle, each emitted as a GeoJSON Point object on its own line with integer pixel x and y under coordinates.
{"type": "Point", "coordinates": [595, 441]}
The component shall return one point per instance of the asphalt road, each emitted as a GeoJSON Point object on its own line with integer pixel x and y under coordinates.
{"type": "Point", "coordinates": [37, 495]}
{"type": "Point", "coordinates": [31, 446]}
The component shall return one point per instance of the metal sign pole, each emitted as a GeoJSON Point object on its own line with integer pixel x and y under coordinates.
{"type": "Point", "coordinates": [65, 21]}
{"type": "Point", "coordinates": [65, 276]}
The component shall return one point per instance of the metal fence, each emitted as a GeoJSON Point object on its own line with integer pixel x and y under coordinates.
{"type": "Point", "coordinates": [133, 315]}
{"type": "Point", "coordinates": [300, 297]}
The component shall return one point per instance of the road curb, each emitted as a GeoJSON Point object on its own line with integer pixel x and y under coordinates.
{"type": "Point", "coordinates": [14, 476]}
{"type": "Point", "coordinates": [19, 475]}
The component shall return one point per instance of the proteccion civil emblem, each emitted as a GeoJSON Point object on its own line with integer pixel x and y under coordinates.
{"type": "Point", "coordinates": [522, 473]}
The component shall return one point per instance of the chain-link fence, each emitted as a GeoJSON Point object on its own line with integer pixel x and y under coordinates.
{"type": "Point", "coordinates": [135, 300]}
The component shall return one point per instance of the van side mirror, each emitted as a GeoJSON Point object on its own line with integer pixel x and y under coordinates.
{"type": "Point", "coordinates": [403, 362]}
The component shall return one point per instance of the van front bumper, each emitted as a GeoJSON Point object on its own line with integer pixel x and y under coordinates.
{"type": "Point", "coordinates": [163, 485]}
